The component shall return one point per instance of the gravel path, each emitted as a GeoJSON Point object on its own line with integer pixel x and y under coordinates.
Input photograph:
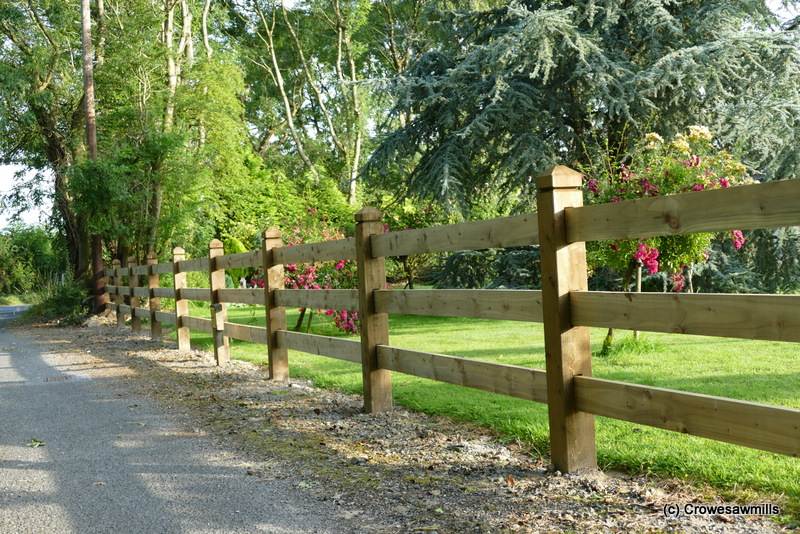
{"type": "Point", "coordinates": [140, 437]}
{"type": "Point", "coordinates": [78, 453]}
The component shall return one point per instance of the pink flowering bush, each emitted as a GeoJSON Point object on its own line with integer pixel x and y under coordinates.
{"type": "Point", "coordinates": [687, 163]}
{"type": "Point", "coordinates": [339, 275]}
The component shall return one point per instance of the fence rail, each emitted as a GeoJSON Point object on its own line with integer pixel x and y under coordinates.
{"type": "Point", "coordinates": [564, 305]}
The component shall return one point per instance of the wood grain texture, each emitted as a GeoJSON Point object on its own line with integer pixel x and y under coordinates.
{"type": "Point", "coordinates": [219, 314]}
{"type": "Point", "coordinates": [332, 347]}
{"type": "Point", "coordinates": [374, 324]}
{"type": "Point", "coordinates": [767, 317]}
{"type": "Point", "coordinates": [513, 231]}
{"type": "Point", "coordinates": [140, 269]}
{"type": "Point", "coordinates": [243, 296]}
{"type": "Point", "coordinates": [112, 289]}
{"type": "Point", "coordinates": [200, 264]}
{"type": "Point", "coordinates": [759, 426]}
{"type": "Point", "coordinates": [179, 282]}
{"type": "Point", "coordinates": [116, 298]}
{"type": "Point", "coordinates": [154, 303]}
{"type": "Point", "coordinates": [197, 323]}
{"type": "Point", "coordinates": [503, 304]}
{"type": "Point", "coordinates": [567, 350]}
{"type": "Point", "coordinates": [237, 261]}
{"type": "Point", "coordinates": [274, 313]}
{"type": "Point", "coordinates": [335, 299]}
{"type": "Point", "coordinates": [133, 282]}
{"type": "Point", "coordinates": [341, 249]}
{"type": "Point", "coordinates": [165, 292]}
{"type": "Point", "coordinates": [163, 268]}
{"type": "Point", "coordinates": [142, 313]}
{"type": "Point", "coordinates": [512, 380]}
{"type": "Point", "coordinates": [196, 293]}
{"type": "Point", "coordinates": [253, 334]}
{"type": "Point", "coordinates": [123, 271]}
{"type": "Point", "coordinates": [124, 309]}
{"type": "Point", "coordinates": [165, 317]}
{"type": "Point", "coordinates": [768, 205]}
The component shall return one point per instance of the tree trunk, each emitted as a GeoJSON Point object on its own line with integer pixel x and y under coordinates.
{"type": "Point", "coordinates": [299, 323]}
{"type": "Point", "coordinates": [98, 280]}
{"type": "Point", "coordinates": [626, 281]}
{"type": "Point", "coordinates": [409, 273]}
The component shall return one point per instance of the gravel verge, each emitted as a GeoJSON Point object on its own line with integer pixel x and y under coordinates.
{"type": "Point", "coordinates": [400, 471]}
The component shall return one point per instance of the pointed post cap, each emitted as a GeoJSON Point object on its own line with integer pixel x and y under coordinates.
{"type": "Point", "coordinates": [367, 214]}
{"type": "Point", "coordinates": [559, 177]}
{"type": "Point", "coordinates": [116, 262]}
{"type": "Point", "coordinates": [152, 256]}
{"type": "Point", "coordinates": [131, 261]}
{"type": "Point", "coordinates": [272, 232]}
{"type": "Point", "coordinates": [178, 250]}
{"type": "Point", "coordinates": [215, 243]}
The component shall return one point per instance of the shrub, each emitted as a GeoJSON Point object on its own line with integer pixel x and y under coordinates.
{"type": "Point", "coordinates": [67, 304]}
{"type": "Point", "coordinates": [469, 269]}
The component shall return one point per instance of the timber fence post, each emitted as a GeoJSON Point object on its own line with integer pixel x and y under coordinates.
{"type": "Point", "coordinates": [567, 350]}
{"type": "Point", "coordinates": [155, 302]}
{"type": "Point", "coordinates": [133, 281]}
{"type": "Point", "coordinates": [181, 304]}
{"type": "Point", "coordinates": [216, 277]}
{"type": "Point", "coordinates": [276, 315]}
{"type": "Point", "coordinates": [374, 326]}
{"type": "Point", "coordinates": [117, 300]}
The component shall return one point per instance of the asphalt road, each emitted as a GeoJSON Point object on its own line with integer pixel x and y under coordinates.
{"type": "Point", "coordinates": [107, 462]}
{"type": "Point", "coordinates": [9, 312]}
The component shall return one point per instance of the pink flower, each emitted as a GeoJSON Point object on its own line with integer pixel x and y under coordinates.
{"type": "Point", "coordinates": [593, 185]}
{"type": "Point", "coordinates": [693, 161]}
{"type": "Point", "coordinates": [647, 256]}
{"type": "Point", "coordinates": [648, 187]}
{"type": "Point", "coordinates": [678, 282]}
{"type": "Point", "coordinates": [329, 312]}
{"type": "Point", "coordinates": [738, 239]}
{"type": "Point", "coordinates": [724, 183]}
{"type": "Point", "coordinates": [698, 187]}
{"type": "Point", "coordinates": [291, 267]}
{"type": "Point", "coordinates": [340, 265]}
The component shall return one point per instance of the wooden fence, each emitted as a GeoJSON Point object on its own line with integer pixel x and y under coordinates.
{"type": "Point", "coordinates": [565, 306]}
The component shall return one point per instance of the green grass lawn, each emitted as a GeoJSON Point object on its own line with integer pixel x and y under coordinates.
{"type": "Point", "coordinates": [749, 370]}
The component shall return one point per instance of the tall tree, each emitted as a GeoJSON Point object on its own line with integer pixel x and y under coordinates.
{"type": "Point", "coordinates": [513, 89]}
{"type": "Point", "coordinates": [91, 143]}
{"type": "Point", "coordinates": [41, 109]}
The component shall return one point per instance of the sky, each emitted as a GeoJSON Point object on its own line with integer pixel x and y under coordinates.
{"type": "Point", "coordinates": [7, 181]}
{"type": "Point", "coordinates": [38, 215]}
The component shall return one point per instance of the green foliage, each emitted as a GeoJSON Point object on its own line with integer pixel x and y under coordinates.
{"type": "Point", "coordinates": [774, 257]}
{"type": "Point", "coordinates": [511, 90]}
{"type": "Point", "coordinates": [66, 303]}
{"type": "Point", "coordinates": [29, 257]}
{"type": "Point", "coordinates": [655, 168]}
{"type": "Point", "coordinates": [517, 268]}
{"type": "Point", "coordinates": [469, 269]}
